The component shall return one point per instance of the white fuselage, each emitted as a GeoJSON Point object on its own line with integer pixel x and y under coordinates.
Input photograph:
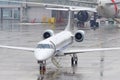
{"type": "Point", "coordinates": [62, 39]}
{"type": "Point", "coordinates": [53, 44]}
{"type": "Point", "coordinates": [108, 10]}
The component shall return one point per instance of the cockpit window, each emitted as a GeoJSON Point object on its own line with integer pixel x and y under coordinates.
{"type": "Point", "coordinates": [48, 46]}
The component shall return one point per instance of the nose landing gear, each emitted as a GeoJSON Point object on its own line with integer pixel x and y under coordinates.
{"type": "Point", "coordinates": [42, 69]}
{"type": "Point", "coordinates": [74, 62]}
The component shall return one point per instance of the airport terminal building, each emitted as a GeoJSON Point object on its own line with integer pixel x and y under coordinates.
{"type": "Point", "coordinates": [32, 13]}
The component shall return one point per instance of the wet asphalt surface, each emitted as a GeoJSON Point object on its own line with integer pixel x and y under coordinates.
{"type": "Point", "coordinates": [22, 65]}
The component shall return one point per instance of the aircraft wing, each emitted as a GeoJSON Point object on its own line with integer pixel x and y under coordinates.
{"type": "Point", "coordinates": [56, 6]}
{"type": "Point", "coordinates": [18, 48]}
{"type": "Point", "coordinates": [67, 52]}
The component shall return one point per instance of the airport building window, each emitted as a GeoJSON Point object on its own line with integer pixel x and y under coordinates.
{"type": "Point", "coordinates": [9, 10]}
{"type": "Point", "coordinates": [7, 13]}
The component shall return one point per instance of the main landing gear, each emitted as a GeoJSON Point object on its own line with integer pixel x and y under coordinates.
{"type": "Point", "coordinates": [74, 62]}
{"type": "Point", "coordinates": [42, 69]}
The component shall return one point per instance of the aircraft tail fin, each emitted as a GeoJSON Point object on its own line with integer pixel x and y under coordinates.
{"type": "Point", "coordinates": [68, 27]}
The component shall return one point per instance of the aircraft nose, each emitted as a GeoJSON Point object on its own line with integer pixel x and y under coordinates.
{"type": "Point", "coordinates": [43, 54]}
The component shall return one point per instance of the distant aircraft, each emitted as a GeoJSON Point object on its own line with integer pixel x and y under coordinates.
{"type": "Point", "coordinates": [106, 8]}
{"type": "Point", "coordinates": [55, 46]}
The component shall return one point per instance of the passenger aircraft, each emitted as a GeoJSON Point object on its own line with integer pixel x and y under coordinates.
{"type": "Point", "coordinates": [55, 46]}
{"type": "Point", "coordinates": [106, 8]}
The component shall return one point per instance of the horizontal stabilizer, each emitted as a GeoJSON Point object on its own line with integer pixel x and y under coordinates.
{"type": "Point", "coordinates": [74, 9]}
{"type": "Point", "coordinates": [85, 2]}
{"type": "Point", "coordinates": [61, 9]}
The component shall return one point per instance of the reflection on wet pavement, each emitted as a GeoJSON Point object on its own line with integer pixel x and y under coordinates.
{"type": "Point", "coordinates": [58, 74]}
{"type": "Point", "coordinates": [21, 65]}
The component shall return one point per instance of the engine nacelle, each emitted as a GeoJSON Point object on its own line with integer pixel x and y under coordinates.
{"type": "Point", "coordinates": [47, 34]}
{"type": "Point", "coordinates": [79, 35]}
{"type": "Point", "coordinates": [83, 16]}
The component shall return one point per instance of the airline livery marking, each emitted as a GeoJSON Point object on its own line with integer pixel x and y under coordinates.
{"type": "Point", "coordinates": [115, 6]}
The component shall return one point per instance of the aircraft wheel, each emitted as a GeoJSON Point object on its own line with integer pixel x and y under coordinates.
{"type": "Point", "coordinates": [42, 67]}
{"type": "Point", "coordinates": [42, 70]}
{"type": "Point", "coordinates": [74, 61]}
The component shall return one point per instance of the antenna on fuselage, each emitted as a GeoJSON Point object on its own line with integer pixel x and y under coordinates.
{"type": "Point", "coordinates": [68, 27]}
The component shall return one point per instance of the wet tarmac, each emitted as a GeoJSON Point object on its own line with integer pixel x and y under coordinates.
{"type": "Point", "coordinates": [22, 65]}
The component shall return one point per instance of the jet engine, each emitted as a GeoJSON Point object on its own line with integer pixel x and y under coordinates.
{"type": "Point", "coordinates": [79, 35]}
{"type": "Point", "coordinates": [47, 34]}
{"type": "Point", "coordinates": [83, 16]}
